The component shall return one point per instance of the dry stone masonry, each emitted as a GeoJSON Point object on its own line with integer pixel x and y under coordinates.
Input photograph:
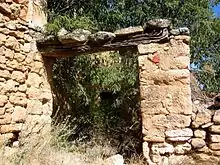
{"type": "Point", "coordinates": [25, 94]}
{"type": "Point", "coordinates": [171, 125]}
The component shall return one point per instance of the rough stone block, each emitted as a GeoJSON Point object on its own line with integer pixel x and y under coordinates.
{"type": "Point", "coordinates": [5, 74]}
{"type": "Point", "coordinates": [175, 99]}
{"type": "Point", "coordinates": [182, 148]}
{"type": "Point", "coordinates": [215, 138]}
{"type": "Point", "coordinates": [148, 48]}
{"type": "Point", "coordinates": [199, 133]}
{"type": "Point", "coordinates": [11, 128]}
{"type": "Point", "coordinates": [162, 148]}
{"type": "Point", "coordinates": [203, 116]}
{"type": "Point", "coordinates": [3, 100]}
{"type": "Point", "coordinates": [186, 132]}
{"type": "Point", "coordinates": [216, 117]}
{"type": "Point", "coordinates": [214, 146]}
{"type": "Point", "coordinates": [197, 143]}
{"type": "Point", "coordinates": [34, 80]}
{"type": "Point", "coordinates": [215, 129]}
{"type": "Point", "coordinates": [18, 76]}
{"type": "Point", "coordinates": [166, 121]}
{"type": "Point", "coordinates": [18, 99]}
{"type": "Point", "coordinates": [5, 119]}
{"type": "Point", "coordinates": [34, 107]}
{"type": "Point", "coordinates": [19, 114]}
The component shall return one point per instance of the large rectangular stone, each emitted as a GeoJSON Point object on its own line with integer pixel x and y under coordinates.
{"type": "Point", "coordinates": [175, 99]}
{"type": "Point", "coordinates": [154, 126]}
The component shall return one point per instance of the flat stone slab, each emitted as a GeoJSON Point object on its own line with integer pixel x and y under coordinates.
{"type": "Point", "coordinates": [186, 132]}
{"type": "Point", "coordinates": [129, 31]}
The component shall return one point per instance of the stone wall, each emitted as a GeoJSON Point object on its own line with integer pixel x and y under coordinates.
{"type": "Point", "coordinates": [171, 125]}
{"type": "Point", "coordinates": [25, 94]}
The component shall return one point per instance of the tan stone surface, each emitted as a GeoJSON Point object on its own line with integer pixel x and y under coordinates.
{"type": "Point", "coordinates": [203, 117]}
{"type": "Point", "coordinates": [182, 148]}
{"type": "Point", "coordinates": [34, 107]}
{"type": "Point", "coordinates": [3, 100]}
{"type": "Point", "coordinates": [18, 99]}
{"type": "Point", "coordinates": [216, 117]}
{"type": "Point", "coordinates": [174, 99]}
{"type": "Point", "coordinates": [199, 133]}
{"type": "Point", "coordinates": [197, 143]}
{"type": "Point", "coordinates": [11, 128]}
{"type": "Point", "coordinates": [18, 76]}
{"type": "Point", "coordinates": [19, 114]}
{"type": "Point", "coordinates": [186, 132]}
{"type": "Point", "coordinates": [215, 129]}
{"type": "Point", "coordinates": [215, 138]}
{"type": "Point", "coordinates": [162, 148]}
{"type": "Point", "coordinates": [34, 80]}
{"type": "Point", "coordinates": [214, 146]}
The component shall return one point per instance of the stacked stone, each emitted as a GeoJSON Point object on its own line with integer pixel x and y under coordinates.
{"type": "Point", "coordinates": [206, 124]}
{"type": "Point", "coordinates": [165, 98]}
{"type": "Point", "coordinates": [25, 95]}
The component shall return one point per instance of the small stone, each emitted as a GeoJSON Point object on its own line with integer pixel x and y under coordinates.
{"type": "Point", "coordinates": [2, 59]}
{"type": "Point", "coordinates": [216, 117]}
{"type": "Point", "coordinates": [215, 138]}
{"type": "Point", "coordinates": [26, 47]}
{"type": "Point", "coordinates": [183, 148]}
{"type": "Point", "coordinates": [198, 143]}
{"type": "Point", "coordinates": [2, 110]}
{"type": "Point", "coordinates": [166, 48]}
{"type": "Point", "coordinates": [34, 80]}
{"type": "Point", "coordinates": [18, 76]}
{"type": "Point", "coordinates": [5, 74]}
{"type": "Point", "coordinates": [11, 86]}
{"type": "Point", "coordinates": [215, 153]}
{"type": "Point", "coordinates": [214, 146]}
{"type": "Point", "coordinates": [10, 25]}
{"type": "Point", "coordinates": [200, 133]}
{"type": "Point", "coordinates": [19, 57]}
{"type": "Point", "coordinates": [203, 116]}
{"type": "Point", "coordinates": [162, 148]}
{"type": "Point", "coordinates": [207, 125]}
{"type": "Point", "coordinates": [19, 114]}
{"type": "Point", "coordinates": [12, 43]}
{"type": "Point", "coordinates": [15, 144]}
{"type": "Point", "coordinates": [215, 129]}
{"type": "Point", "coordinates": [3, 100]}
{"type": "Point", "coordinates": [34, 107]}
{"type": "Point", "coordinates": [18, 99]}
{"type": "Point", "coordinates": [146, 153]}
{"type": "Point", "coordinates": [115, 160]}
{"type": "Point", "coordinates": [9, 53]}
{"type": "Point", "coordinates": [157, 24]}
{"type": "Point", "coordinates": [22, 88]}
{"type": "Point", "coordinates": [184, 38]}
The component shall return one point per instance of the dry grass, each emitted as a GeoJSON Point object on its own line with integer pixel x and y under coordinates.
{"type": "Point", "coordinates": [56, 150]}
